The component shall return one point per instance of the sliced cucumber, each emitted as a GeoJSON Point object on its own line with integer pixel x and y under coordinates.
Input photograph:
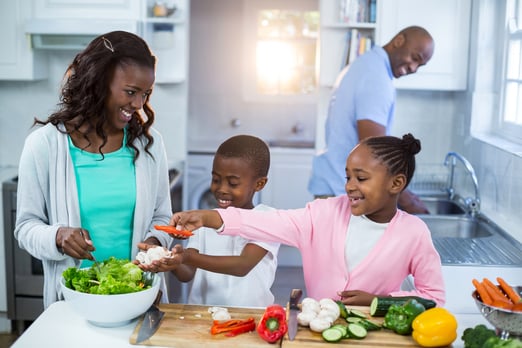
{"type": "Point", "coordinates": [369, 325]}
{"type": "Point", "coordinates": [342, 309]}
{"type": "Point", "coordinates": [342, 328]}
{"type": "Point", "coordinates": [332, 334]}
{"type": "Point", "coordinates": [357, 331]}
{"type": "Point", "coordinates": [353, 319]}
{"type": "Point", "coordinates": [357, 313]}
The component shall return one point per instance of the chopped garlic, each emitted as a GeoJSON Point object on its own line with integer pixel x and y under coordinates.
{"type": "Point", "coordinates": [152, 254]}
{"type": "Point", "coordinates": [219, 313]}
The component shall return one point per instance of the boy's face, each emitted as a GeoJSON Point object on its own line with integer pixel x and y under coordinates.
{"type": "Point", "coordinates": [372, 190]}
{"type": "Point", "coordinates": [234, 183]}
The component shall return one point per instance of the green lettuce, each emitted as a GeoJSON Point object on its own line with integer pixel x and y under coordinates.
{"type": "Point", "coordinates": [114, 276]}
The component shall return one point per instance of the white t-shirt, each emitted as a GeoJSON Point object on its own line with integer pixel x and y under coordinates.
{"type": "Point", "coordinates": [362, 236]}
{"type": "Point", "coordinates": [252, 290]}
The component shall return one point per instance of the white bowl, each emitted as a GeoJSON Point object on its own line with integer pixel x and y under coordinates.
{"type": "Point", "coordinates": [111, 310]}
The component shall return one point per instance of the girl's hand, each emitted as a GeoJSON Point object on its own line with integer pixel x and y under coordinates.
{"type": "Point", "coordinates": [356, 297]}
{"type": "Point", "coordinates": [75, 242]}
{"type": "Point", "coordinates": [194, 219]}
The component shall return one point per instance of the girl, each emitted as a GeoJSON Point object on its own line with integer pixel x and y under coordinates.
{"type": "Point", "coordinates": [356, 246]}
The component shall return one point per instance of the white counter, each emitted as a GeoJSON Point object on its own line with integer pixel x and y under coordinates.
{"type": "Point", "coordinates": [59, 326]}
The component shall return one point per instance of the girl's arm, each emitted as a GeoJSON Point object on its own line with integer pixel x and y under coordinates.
{"type": "Point", "coordinates": [238, 265]}
{"type": "Point", "coordinates": [194, 219]}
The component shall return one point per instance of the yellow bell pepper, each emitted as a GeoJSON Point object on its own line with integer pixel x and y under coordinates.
{"type": "Point", "coordinates": [435, 327]}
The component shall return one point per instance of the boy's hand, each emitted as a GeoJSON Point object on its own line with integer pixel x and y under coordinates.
{"type": "Point", "coordinates": [169, 263]}
{"type": "Point", "coordinates": [194, 219]}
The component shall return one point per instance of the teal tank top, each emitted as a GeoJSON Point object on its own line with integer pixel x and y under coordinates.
{"type": "Point", "coordinates": [107, 197]}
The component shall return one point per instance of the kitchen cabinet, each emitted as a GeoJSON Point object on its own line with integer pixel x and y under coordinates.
{"type": "Point", "coordinates": [85, 9]}
{"type": "Point", "coordinates": [448, 21]}
{"type": "Point", "coordinates": [18, 61]}
{"type": "Point", "coordinates": [167, 37]}
{"type": "Point", "coordinates": [288, 178]}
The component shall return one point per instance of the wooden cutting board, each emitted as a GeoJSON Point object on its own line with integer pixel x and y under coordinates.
{"type": "Point", "coordinates": [188, 326]}
{"type": "Point", "coordinates": [306, 338]}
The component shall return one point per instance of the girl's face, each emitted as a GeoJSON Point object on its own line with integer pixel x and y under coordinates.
{"type": "Point", "coordinates": [129, 89]}
{"type": "Point", "coordinates": [371, 189]}
{"type": "Point", "coordinates": [234, 183]}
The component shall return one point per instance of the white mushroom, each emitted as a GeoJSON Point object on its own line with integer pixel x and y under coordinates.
{"type": "Point", "coordinates": [319, 324]}
{"type": "Point", "coordinates": [304, 318]}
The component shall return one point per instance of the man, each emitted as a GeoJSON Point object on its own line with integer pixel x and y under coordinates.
{"type": "Point", "coordinates": [363, 105]}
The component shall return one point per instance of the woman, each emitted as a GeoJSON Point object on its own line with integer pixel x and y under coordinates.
{"type": "Point", "coordinates": [93, 179]}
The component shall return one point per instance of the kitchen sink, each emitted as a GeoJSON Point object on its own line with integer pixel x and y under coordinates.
{"type": "Point", "coordinates": [442, 206]}
{"type": "Point", "coordinates": [444, 226]}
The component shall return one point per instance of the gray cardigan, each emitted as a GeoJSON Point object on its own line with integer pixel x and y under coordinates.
{"type": "Point", "coordinates": [47, 199]}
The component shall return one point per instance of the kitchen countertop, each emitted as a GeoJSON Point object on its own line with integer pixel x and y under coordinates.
{"type": "Point", "coordinates": [59, 326]}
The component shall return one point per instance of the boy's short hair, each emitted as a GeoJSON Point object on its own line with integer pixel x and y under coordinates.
{"type": "Point", "coordinates": [249, 148]}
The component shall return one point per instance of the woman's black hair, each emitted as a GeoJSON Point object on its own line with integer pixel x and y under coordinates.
{"type": "Point", "coordinates": [86, 87]}
{"type": "Point", "coordinates": [398, 155]}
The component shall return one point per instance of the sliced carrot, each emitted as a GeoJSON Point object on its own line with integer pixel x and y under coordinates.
{"type": "Point", "coordinates": [495, 293]}
{"type": "Point", "coordinates": [483, 293]}
{"type": "Point", "coordinates": [173, 230]}
{"type": "Point", "coordinates": [510, 292]}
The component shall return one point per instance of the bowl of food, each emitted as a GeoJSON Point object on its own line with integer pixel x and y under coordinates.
{"type": "Point", "coordinates": [110, 294]}
{"type": "Point", "coordinates": [507, 322]}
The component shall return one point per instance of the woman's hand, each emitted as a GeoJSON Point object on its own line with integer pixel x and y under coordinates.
{"type": "Point", "coordinates": [75, 242]}
{"type": "Point", "coordinates": [166, 263]}
{"type": "Point", "coordinates": [194, 219]}
{"type": "Point", "coordinates": [356, 297]}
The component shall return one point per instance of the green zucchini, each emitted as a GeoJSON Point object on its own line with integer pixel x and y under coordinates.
{"type": "Point", "coordinates": [342, 328]}
{"type": "Point", "coordinates": [369, 325]}
{"type": "Point", "coordinates": [332, 334]}
{"type": "Point", "coordinates": [343, 312]}
{"type": "Point", "coordinates": [379, 305]}
{"type": "Point", "coordinates": [356, 313]}
{"type": "Point", "coordinates": [353, 319]}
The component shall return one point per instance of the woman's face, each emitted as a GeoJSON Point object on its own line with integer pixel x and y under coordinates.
{"type": "Point", "coordinates": [129, 89]}
{"type": "Point", "coordinates": [370, 188]}
{"type": "Point", "coordinates": [234, 183]}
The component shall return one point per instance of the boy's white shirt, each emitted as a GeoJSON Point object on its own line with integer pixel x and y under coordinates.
{"type": "Point", "coordinates": [252, 290]}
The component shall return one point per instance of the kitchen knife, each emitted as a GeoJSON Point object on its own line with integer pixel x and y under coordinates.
{"type": "Point", "coordinates": [151, 323]}
{"type": "Point", "coordinates": [295, 296]}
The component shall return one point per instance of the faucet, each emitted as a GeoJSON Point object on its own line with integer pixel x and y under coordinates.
{"type": "Point", "coordinates": [472, 203]}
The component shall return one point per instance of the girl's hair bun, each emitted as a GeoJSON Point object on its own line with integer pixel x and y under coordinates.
{"type": "Point", "coordinates": [411, 144]}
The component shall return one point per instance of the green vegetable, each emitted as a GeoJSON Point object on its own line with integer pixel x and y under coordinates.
{"type": "Point", "coordinates": [342, 309]}
{"type": "Point", "coordinates": [399, 318]}
{"type": "Point", "coordinates": [115, 276]}
{"type": "Point", "coordinates": [356, 331]}
{"type": "Point", "coordinates": [475, 337]}
{"type": "Point", "coordinates": [380, 305]}
{"type": "Point", "coordinates": [332, 334]}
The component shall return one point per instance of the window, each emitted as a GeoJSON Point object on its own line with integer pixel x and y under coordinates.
{"type": "Point", "coordinates": [511, 115]}
{"type": "Point", "coordinates": [285, 51]}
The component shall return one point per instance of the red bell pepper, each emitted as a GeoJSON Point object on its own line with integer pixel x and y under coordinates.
{"type": "Point", "coordinates": [233, 327]}
{"type": "Point", "coordinates": [272, 326]}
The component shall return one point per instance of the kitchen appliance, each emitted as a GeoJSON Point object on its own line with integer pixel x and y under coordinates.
{"type": "Point", "coordinates": [24, 273]}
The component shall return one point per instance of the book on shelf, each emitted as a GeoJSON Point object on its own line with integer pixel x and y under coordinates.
{"type": "Point", "coordinates": [357, 43]}
{"type": "Point", "coordinates": [357, 11]}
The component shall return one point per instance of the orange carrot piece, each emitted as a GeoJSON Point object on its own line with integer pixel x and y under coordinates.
{"type": "Point", "coordinates": [172, 230]}
{"type": "Point", "coordinates": [483, 293]}
{"type": "Point", "coordinates": [493, 291]}
{"type": "Point", "coordinates": [502, 304]}
{"type": "Point", "coordinates": [510, 292]}
{"type": "Point", "coordinates": [517, 307]}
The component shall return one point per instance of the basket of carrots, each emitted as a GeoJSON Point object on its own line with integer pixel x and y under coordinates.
{"type": "Point", "coordinates": [500, 304]}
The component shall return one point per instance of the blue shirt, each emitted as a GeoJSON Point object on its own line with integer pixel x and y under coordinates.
{"type": "Point", "coordinates": [363, 91]}
{"type": "Point", "coordinates": [107, 197]}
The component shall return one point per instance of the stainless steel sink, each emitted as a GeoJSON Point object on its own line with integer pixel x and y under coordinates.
{"type": "Point", "coordinates": [460, 226]}
{"type": "Point", "coordinates": [442, 206]}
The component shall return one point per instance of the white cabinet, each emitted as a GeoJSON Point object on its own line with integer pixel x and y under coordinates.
{"type": "Point", "coordinates": [167, 37]}
{"type": "Point", "coordinates": [18, 61]}
{"type": "Point", "coordinates": [287, 184]}
{"type": "Point", "coordinates": [448, 21]}
{"type": "Point", "coordinates": [85, 9]}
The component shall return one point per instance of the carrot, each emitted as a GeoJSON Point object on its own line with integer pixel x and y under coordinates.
{"type": "Point", "coordinates": [481, 290]}
{"type": "Point", "coordinates": [496, 294]}
{"type": "Point", "coordinates": [502, 304]}
{"type": "Point", "coordinates": [517, 307]}
{"type": "Point", "coordinates": [513, 296]}
{"type": "Point", "coordinates": [173, 230]}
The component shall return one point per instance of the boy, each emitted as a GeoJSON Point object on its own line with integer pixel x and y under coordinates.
{"type": "Point", "coordinates": [233, 271]}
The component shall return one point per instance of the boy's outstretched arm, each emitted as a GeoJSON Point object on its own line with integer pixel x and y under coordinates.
{"type": "Point", "coordinates": [194, 219]}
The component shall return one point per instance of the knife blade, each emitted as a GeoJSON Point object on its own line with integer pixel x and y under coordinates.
{"type": "Point", "coordinates": [295, 296]}
{"type": "Point", "coordinates": [150, 324]}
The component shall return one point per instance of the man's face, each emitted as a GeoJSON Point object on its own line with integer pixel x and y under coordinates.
{"type": "Point", "coordinates": [410, 53]}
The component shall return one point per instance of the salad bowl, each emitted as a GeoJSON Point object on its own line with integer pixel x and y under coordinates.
{"type": "Point", "coordinates": [111, 310]}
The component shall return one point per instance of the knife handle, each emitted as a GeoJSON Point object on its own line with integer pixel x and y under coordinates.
{"type": "Point", "coordinates": [295, 296]}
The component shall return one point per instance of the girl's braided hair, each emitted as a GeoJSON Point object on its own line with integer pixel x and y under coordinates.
{"type": "Point", "coordinates": [398, 155]}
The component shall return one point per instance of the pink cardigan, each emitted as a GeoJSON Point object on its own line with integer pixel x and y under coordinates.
{"type": "Point", "coordinates": [319, 232]}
